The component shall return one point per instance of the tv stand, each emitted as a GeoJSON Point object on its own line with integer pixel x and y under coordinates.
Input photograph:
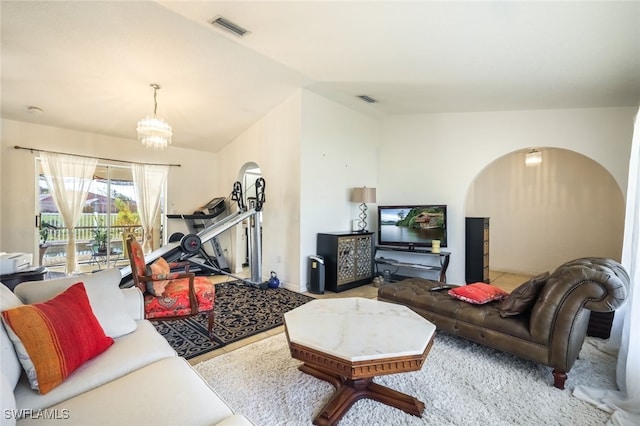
{"type": "Point", "coordinates": [396, 266]}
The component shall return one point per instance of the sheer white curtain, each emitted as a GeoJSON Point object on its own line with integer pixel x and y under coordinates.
{"type": "Point", "coordinates": [69, 178]}
{"type": "Point", "coordinates": [148, 182]}
{"type": "Point", "coordinates": [625, 333]}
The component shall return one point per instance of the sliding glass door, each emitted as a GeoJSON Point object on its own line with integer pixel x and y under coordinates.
{"type": "Point", "coordinates": [109, 215]}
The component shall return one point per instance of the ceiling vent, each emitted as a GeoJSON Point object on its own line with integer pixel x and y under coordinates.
{"type": "Point", "coordinates": [368, 99]}
{"type": "Point", "coordinates": [227, 25]}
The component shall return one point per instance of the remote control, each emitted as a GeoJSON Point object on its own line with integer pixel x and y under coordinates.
{"type": "Point", "coordinates": [440, 287]}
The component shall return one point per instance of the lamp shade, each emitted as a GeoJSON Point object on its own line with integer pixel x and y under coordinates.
{"type": "Point", "coordinates": [363, 195]}
{"type": "Point", "coordinates": [533, 158]}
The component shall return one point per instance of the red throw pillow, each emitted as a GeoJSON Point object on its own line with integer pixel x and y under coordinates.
{"type": "Point", "coordinates": [478, 293]}
{"type": "Point", "coordinates": [55, 337]}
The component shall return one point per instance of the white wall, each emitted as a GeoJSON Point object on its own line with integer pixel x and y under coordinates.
{"type": "Point", "coordinates": [189, 186]}
{"type": "Point", "coordinates": [565, 208]}
{"type": "Point", "coordinates": [273, 143]}
{"type": "Point", "coordinates": [434, 158]}
{"type": "Point", "coordinates": [339, 152]}
{"type": "Point", "coordinates": [311, 152]}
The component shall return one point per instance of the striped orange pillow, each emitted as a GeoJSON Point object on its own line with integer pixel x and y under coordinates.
{"type": "Point", "coordinates": [55, 337]}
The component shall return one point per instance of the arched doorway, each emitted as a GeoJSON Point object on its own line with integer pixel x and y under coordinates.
{"type": "Point", "coordinates": [545, 215]}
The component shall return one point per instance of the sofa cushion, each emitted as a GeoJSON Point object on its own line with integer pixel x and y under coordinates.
{"type": "Point", "coordinates": [478, 293]}
{"type": "Point", "coordinates": [522, 299]}
{"type": "Point", "coordinates": [7, 401]}
{"type": "Point", "coordinates": [103, 290]}
{"type": "Point", "coordinates": [54, 338]}
{"type": "Point", "coordinates": [134, 303]}
{"type": "Point", "coordinates": [180, 396]}
{"type": "Point", "coordinates": [127, 354]}
{"type": "Point", "coordinates": [11, 367]}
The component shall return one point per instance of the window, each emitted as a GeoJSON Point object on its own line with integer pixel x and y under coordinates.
{"type": "Point", "coordinates": [109, 215]}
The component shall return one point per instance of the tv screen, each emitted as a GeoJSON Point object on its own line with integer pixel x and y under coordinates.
{"type": "Point", "coordinates": [412, 225]}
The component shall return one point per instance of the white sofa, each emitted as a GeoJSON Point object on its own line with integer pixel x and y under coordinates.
{"type": "Point", "coordinates": [138, 380]}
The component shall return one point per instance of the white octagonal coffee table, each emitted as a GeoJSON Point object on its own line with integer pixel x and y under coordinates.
{"type": "Point", "coordinates": [350, 341]}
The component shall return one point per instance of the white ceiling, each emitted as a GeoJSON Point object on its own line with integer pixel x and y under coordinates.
{"type": "Point", "coordinates": [88, 65]}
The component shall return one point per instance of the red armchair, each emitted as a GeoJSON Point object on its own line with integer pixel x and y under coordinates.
{"type": "Point", "coordinates": [170, 295]}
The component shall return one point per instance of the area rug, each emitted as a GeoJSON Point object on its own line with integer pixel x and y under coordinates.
{"type": "Point", "coordinates": [461, 383]}
{"type": "Point", "coordinates": [240, 311]}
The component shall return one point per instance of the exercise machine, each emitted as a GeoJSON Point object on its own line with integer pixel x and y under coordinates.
{"type": "Point", "coordinates": [200, 220]}
{"type": "Point", "coordinates": [189, 247]}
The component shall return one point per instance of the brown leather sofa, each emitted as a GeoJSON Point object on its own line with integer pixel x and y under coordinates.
{"type": "Point", "coordinates": [551, 332]}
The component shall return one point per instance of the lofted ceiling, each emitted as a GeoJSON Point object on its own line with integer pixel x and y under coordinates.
{"type": "Point", "coordinates": [88, 65]}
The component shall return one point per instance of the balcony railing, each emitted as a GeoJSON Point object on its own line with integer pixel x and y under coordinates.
{"type": "Point", "coordinates": [85, 232]}
{"type": "Point", "coordinates": [85, 229]}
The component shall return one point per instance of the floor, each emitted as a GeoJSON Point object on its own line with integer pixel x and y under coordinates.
{"type": "Point", "coordinates": [507, 281]}
{"type": "Point", "coordinates": [504, 280]}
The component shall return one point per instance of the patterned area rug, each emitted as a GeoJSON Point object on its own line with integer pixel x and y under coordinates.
{"type": "Point", "coordinates": [240, 311]}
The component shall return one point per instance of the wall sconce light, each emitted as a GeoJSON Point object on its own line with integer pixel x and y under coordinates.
{"type": "Point", "coordinates": [363, 196]}
{"type": "Point", "coordinates": [533, 158]}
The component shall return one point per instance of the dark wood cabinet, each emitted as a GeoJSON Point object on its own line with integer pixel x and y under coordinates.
{"type": "Point", "coordinates": [348, 259]}
{"type": "Point", "coordinates": [477, 250]}
{"type": "Point", "coordinates": [600, 324]}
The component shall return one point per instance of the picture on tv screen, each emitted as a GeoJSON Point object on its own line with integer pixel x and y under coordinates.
{"type": "Point", "coordinates": [412, 226]}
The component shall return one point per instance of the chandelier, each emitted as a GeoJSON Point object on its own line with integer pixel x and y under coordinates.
{"type": "Point", "coordinates": [154, 132]}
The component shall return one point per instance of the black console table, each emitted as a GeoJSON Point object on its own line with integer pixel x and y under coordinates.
{"type": "Point", "coordinates": [440, 268]}
{"type": "Point", "coordinates": [32, 274]}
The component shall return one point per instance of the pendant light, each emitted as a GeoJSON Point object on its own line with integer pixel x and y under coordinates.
{"type": "Point", "coordinates": [153, 131]}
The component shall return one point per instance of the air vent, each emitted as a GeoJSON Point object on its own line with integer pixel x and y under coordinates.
{"type": "Point", "coordinates": [227, 25]}
{"type": "Point", "coordinates": [368, 99]}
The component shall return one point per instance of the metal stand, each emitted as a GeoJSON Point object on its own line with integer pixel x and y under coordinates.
{"type": "Point", "coordinates": [255, 245]}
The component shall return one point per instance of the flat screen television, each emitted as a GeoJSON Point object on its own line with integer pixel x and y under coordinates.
{"type": "Point", "coordinates": [412, 225]}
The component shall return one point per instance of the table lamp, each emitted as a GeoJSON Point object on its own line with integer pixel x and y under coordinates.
{"type": "Point", "coordinates": [363, 196]}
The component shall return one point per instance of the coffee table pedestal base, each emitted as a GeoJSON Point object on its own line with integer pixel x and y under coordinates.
{"type": "Point", "coordinates": [363, 339]}
{"type": "Point", "coordinates": [349, 391]}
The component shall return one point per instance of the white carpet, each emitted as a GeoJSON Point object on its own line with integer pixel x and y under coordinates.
{"type": "Point", "coordinates": [461, 383]}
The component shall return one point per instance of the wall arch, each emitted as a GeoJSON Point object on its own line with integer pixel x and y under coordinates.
{"type": "Point", "coordinates": [569, 206]}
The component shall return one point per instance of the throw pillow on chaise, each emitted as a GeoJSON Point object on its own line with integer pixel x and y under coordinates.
{"type": "Point", "coordinates": [522, 299]}
{"type": "Point", "coordinates": [478, 293]}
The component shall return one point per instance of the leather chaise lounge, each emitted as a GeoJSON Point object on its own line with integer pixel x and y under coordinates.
{"type": "Point", "coordinates": [549, 331]}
